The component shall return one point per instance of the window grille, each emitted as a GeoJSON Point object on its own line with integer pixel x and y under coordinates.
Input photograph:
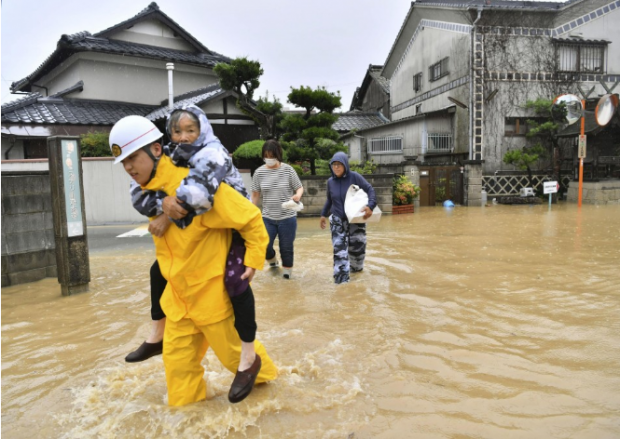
{"type": "Point", "coordinates": [383, 145]}
{"type": "Point", "coordinates": [438, 70]}
{"type": "Point", "coordinates": [439, 142]}
{"type": "Point", "coordinates": [581, 58]}
{"type": "Point", "coordinates": [417, 82]}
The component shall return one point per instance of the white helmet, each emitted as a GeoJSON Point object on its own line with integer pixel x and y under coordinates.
{"type": "Point", "coordinates": [130, 134]}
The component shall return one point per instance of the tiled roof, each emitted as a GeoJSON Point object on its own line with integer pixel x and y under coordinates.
{"type": "Point", "coordinates": [373, 73]}
{"type": "Point", "coordinates": [580, 41]}
{"type": "Point", "coordinates": [196, 97]}
{"type": "Point", "coordinates": [497, 4]}
{"type": "Point", "coordinates": [35, 109]}
{"type": "Point", "coordinates": [84, 41]}
{"type": "Point", "coordinates": [357, 120]}
{"type": "Point", "coordinates": [382, 81]}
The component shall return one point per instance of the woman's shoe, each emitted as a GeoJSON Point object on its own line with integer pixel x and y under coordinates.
{"type": "Point", "coordinates": [244, 382]}
{"type": "Point", "coordinates": [273, 262]}
{"type": "Point", "coordinates": [145, 351]}
{"type": "Point", "coordinates": [287, 273]}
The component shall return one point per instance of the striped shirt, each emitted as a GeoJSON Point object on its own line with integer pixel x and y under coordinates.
{"type": "Point", "coordinates": [276, 186]}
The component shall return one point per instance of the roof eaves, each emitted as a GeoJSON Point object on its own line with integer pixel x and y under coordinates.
{"type": "Point", "coordinates": [402, 28]}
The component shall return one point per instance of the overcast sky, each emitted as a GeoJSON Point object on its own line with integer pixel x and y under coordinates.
{"type": "Point", "coordinates": [314, 43]}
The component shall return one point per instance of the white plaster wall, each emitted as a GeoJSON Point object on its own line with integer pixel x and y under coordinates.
{"type": "Point", "coordinates": [152, 33]}
{"type": "Point", "coordinates": [430, 47]}
{"type": "Point", "coordinates": [106, 189]}
{"type": "Point", "coordinates": [354, 144]}
{"type": "Point", "coordinates": [17, 152]}
{"type": "Point", "coordinates": [607, 28]}
{"type": "Point", "coordinates": [124, 79]}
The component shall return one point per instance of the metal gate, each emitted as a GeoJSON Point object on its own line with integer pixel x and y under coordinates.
{"type": "Point", "coordinates": [441, 183]}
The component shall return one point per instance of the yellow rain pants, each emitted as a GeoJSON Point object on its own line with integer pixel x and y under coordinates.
{"type": "Point", "coordinates": [198, 310]}
{"type": "Point", "coordinates": [186, 344]}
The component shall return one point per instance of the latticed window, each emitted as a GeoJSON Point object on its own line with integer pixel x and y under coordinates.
{"type": "Point", "coordinates": [417, 82]}
{"type": "Point", "coordinates": [581, 57]}
{"type": "Point", "coordinates": [439, 142]}
{"type": "Point", "coordinates": [390, 144]}
{"type": "Point", "coordinates": [438, 70]}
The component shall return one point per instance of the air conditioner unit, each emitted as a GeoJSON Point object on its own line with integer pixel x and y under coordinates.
{"type": "Point", "coordinates": [526, 192]}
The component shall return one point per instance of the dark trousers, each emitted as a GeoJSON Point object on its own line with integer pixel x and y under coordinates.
{"type": "Point", "coordinates": [285, 230]}
{"type": "Point", "coordinates": [243, 304]}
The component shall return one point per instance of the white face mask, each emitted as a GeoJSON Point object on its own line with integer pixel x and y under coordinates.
{"type": "Point", "coordinates": [271, 162]}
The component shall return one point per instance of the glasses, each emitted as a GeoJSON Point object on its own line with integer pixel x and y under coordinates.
{"type": "Point", "coordinates": [337, 165]}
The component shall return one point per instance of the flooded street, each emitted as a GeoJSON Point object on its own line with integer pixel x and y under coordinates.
{"type": "Point", "coordinates": [496, 322]}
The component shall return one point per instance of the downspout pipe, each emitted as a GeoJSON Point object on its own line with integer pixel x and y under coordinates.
{"type": "Point", "coordinates": [6, 154]}
{"type": "Point", "coordinates": [471, 85]}
{"type": "Point", "coordinates": [170, 67]}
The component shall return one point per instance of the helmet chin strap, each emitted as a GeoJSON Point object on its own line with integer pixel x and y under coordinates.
{"type": "Point", "coordinates": [147, 150]}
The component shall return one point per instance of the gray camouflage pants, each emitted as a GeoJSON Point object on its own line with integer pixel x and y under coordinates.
{"type": "Point", "coordinates": [349, 241]}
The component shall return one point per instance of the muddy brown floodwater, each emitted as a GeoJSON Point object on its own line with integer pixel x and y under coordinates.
{"type": "Point", "coordinates": [496, 322]}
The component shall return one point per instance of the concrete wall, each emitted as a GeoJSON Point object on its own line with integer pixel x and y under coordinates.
{"type": "Point", "coordinates": [27, 228]}
{"type": "Point", "coordinates": [315, 192]}
{"type": "Point", "coordinates": [106, 189]}
{"type": "Point", "coordinates": [603, 192]}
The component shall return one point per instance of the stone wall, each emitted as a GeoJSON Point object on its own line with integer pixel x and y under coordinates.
{"type": "Point", "coordinates": [27, 228]}
{"type": "Point", "coordinates": [602, 192]}
{"type": "Point", "coordinates": [315, 192]}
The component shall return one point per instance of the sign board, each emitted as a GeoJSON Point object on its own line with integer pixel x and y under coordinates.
{"type": "Point", "coordinates": [581, 150]}
{"type": "Point", "coordinates": [72, 190]}
{"type": "Point", "coordinates": [550, 187]}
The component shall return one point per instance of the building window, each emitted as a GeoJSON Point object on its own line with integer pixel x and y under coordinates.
{"type": "Point", "coordinates": [438, 70]}
{"type": "Point", "coordinates": [581, 57]}
{"type": "Point", "coordinates": [439, 142]}
{"type": "Point", "coordinates": [417, 82]}
{"type": "Point", "coordinates": [383, 145]}
{"type": "Point", "coordinates": [418, 109]}
{"type": "Point", "coordinates": [519, 126]}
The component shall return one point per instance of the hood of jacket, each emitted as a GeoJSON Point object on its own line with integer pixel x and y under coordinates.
{"type": "Point", "coordinates": [184, 151]}
{"type": "Point", "coordinates": [342, 158]}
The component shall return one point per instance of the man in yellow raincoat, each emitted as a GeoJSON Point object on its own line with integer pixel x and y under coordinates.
{"type": "Point", "coordinates": [197, 306]}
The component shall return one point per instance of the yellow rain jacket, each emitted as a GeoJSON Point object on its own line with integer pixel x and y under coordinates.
{"type": "Point", "coordinates": [193, 259]}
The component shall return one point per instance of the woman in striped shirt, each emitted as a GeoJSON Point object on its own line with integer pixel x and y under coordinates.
{"type": "Point", "coordinates": [278, 183]}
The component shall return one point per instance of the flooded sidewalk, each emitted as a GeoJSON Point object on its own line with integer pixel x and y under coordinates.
{"type": "Point", "coordinates": [496, 322]}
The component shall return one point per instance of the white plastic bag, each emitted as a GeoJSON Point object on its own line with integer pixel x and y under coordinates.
{"type": "Point", "coordinates": [293, 205]}
{"type": "Point", "coordinates": [354, 204]}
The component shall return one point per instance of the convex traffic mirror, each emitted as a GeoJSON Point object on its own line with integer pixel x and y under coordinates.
{"type": "Point", "coordinates": [566, 109]}
{"type": "Point", "coordinates": [605, 109]}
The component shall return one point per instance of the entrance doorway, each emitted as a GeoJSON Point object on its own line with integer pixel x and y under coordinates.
{"type": "Point", "coordinates": [441, 183]}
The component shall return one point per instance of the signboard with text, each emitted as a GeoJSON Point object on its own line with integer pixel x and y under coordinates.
{"type": "Point", "coordinates": [73, 205]}
{"type": "Point", "coordinates": [581, 150]}
{"type": "Point", "coordinates": [550, 187]}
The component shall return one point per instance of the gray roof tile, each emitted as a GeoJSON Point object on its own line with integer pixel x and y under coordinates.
{"type": "Point", "coordinates": [358, 120]}
{"type": "Point", "coordinates": [35, 109]}
{"type": "Point", "coordinates": [196, 97]}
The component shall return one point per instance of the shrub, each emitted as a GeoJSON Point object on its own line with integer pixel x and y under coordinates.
{"type": "Point", "coordinates": [404, 191]}
{"type": "Point", "coordinates": [298, 169]}
{"type": "Point", "coordinates": [249, 150]}
{"type": "Point", "coordinates": [369, 167]}
{"type": "Point", "coordinates": [95, 144]}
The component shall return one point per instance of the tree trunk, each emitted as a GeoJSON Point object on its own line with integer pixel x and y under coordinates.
{"type": "Point", "coordinates": [265, 121]}
{"type": "Point", "coordinates": [530, 178]}
{"type": "Point", "coordinates": [312, 167]}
